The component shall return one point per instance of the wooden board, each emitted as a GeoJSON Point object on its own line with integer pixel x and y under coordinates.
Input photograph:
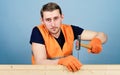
{"type": "Point", "coordinates": [58, 70]}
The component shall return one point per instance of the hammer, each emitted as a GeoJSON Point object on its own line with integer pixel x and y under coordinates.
{"type": "Point", "coordinates": [79, 44]}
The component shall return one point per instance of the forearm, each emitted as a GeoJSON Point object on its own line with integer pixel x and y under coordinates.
{"type": "Point", "coordinates": [47, 62]}
{"type": "Point", "coordinates": [89, 35]}
{"type": "Point", "coordinates": [101, 36]}
{"type": "Point", "coordinates": [96, 42]}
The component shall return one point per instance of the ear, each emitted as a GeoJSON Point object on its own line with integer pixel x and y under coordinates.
{"type": "Point", "coordinates": [62, 16]}
{"type": "Point", "coordinates": [41, 20]}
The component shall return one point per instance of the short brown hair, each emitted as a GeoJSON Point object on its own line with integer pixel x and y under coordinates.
{"type": "Point", "coordinates": [50, 7]}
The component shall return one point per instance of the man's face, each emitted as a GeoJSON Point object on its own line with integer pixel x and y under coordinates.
{"type": "Point", "coordinates": [52, 20]}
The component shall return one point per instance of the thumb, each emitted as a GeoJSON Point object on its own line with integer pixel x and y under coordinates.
{"type": "Point", "coordinates": [89, 51]}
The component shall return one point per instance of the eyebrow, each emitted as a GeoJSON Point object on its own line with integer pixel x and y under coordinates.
{"type": "Point", "coordinates": [53, 17]}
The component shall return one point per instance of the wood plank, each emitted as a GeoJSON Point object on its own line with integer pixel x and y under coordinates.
{"type": "Point", "coordinates": [58, 70]}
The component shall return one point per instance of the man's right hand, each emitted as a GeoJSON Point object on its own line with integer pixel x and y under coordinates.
{"type": "Point", "coordinates": [96, 45]}
{"type": "Point", "coordinates": [71, 63]}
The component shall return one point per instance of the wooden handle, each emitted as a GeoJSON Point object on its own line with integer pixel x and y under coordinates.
{"type": "Point", "coordinates": [86, 46]}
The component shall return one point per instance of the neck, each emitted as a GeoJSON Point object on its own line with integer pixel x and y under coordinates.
{"type": "Point", "coordinates": [56, 35]}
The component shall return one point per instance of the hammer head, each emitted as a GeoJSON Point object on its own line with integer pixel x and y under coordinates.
{"type": "Point", "coordinates": [78, 41]}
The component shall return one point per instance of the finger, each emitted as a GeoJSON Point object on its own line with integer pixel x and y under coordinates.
{"type": "Point", "coordinates": [89, 51]}
{"type": "Point", "coordinates": [97, 49]}
{"type": "Point", "coordinates": [77, 64]}
{"type": "Point", "coordinates": [73, 67]}
{"type": "Point", "coordinates": [94, 49]}
{"type": "Point", "coordinates": [69, 68]}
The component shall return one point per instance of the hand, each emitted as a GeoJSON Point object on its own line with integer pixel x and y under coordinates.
{"type": "Point", "coordinates": [71, 63]}
{"type": "Point", "coordinates": [96, 45]}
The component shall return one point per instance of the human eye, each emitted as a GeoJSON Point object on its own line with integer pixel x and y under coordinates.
{"type": "Point", "coordinates": [56, 18]}
{"type": "Point", "coordinates": [48, 20]}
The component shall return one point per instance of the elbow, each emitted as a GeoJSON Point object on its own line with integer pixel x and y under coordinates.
{"type": "Point", "coordinates": [40, 62]}
{"type": "Point", "coordinates": [103, 37]}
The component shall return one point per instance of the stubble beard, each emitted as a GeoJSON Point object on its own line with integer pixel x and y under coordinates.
{"type": "Point", "coordinates": [55, 31]}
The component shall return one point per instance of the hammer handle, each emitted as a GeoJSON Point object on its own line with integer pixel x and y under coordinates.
{"type": "Point", "coordinates": [86, 46]}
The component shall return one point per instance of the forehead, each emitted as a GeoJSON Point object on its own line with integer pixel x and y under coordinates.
{"type": "Point", "coordinates": [50, 14]}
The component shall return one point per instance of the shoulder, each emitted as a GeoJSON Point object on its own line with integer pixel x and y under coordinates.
{"type": "Point", "coordinates": [77, 28]}
{"type": "Point", "coordinates": [36, 36]}
{"type": "Point", "coordinates": [35, 29]}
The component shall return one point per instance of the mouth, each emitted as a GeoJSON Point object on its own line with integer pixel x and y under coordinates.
{"type": "Point", "coordinates": [54, 28]}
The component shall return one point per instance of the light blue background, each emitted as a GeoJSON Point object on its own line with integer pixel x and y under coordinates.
{"type": "Point", "coordinates": [18, 17]}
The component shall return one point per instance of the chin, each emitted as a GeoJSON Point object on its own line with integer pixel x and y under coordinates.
{"type": "Point", "coordinates": [54, 32]}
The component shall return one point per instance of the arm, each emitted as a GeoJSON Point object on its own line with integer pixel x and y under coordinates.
{"type": "Point", "coordinates": [96, 40]}
{"type": "Point", "coordinates": [40, 54]}
{"type": "Point", "coordinates": [41, 58]}
{"type": "Point", "coordinates": [89, 35]}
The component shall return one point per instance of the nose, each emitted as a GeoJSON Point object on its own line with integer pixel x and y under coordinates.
{"type": "Point", "coordinates": [53, 23]}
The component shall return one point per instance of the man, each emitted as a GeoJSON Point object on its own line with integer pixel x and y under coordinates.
{"type": "Point", "coordinates": [52, 41]}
